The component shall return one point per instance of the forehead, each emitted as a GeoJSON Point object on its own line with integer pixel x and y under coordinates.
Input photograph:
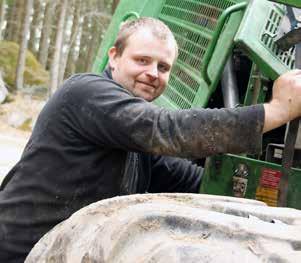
{"type": "Point", "coordinates": [145, 43]}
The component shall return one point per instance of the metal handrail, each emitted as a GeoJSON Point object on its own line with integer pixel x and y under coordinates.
{"type": "Point", "coordinates": [220, 24]}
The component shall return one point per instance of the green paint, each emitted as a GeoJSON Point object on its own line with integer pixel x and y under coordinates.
{"type": "Point", "coordinates": [296, 3]}
{"type": "Point", "coordinates": [205, 43]}
{"type": "Point", "coordinates": [219, 172]}
{"type": "Point", "coordinates": [254, 96]}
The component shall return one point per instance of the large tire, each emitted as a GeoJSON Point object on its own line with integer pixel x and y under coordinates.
{"type": "Point", "coordinates": [174, 228]}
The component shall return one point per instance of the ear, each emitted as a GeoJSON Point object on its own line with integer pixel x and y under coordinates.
{"type": "Point", "coordinates": [112, 53]}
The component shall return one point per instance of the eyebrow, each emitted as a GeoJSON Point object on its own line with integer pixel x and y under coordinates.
{"type": "Point", "coordinates": [137, 54]}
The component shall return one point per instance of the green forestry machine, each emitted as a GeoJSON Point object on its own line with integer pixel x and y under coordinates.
{"type": "Point", "coordinates": [230, 52]}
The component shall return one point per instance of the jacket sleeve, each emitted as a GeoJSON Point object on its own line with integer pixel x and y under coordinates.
{"type": "Point", "coordinates": [108, 115]}
{"type": "Point", "coordinates": [183, 175]}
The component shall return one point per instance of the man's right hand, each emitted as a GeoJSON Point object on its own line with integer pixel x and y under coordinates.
{"type": "Point", "coordinates": [286, 101]}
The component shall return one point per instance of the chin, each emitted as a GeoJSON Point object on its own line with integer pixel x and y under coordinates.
{"type": "Point", "coordinates": [148, 99]}
{"type": "Point", "coordinates": [151, 98]}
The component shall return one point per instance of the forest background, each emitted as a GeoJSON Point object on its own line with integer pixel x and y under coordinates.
{"type": "Point", "coordinates": [43, 42]}
{"type": "Point", "coordinates": [63, 35]}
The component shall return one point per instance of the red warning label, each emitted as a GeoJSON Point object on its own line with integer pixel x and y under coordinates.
{"type": "Point", "coordinates": [270, 178]}
{"type": "Point", "coordinates": [267, 190]}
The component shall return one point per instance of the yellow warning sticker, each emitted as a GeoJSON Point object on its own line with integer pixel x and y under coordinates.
{"type": "Point", "coordinates": [268, 188]}
{"type": "Point", "coordinates": [267, 195]}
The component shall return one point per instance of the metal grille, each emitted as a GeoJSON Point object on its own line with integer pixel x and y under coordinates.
{"type": "Point", "coordinates": [267, 38]}
{"type": "Point", "coordinates": [193, 23]}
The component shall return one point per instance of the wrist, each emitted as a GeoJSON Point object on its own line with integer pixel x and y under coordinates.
{"type": "Point", "coordinates": [276, 114]}
{"type": "Point", "coordinates": [281, 110]}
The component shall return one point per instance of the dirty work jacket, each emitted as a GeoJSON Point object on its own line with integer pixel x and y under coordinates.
{"type": "Point", "coordinates": [95, 140]}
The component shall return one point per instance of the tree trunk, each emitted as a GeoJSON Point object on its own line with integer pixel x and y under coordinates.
{"type": "Point", "coordinates": [84, 40]}
{"type": "Point", "coordinates": [23, 47]}
{"type": "Point", "coordinates": [114, 5]}
{"type": "Point", "coordinates": [70, 67]}
{"type": "Point", "coordinates": [55, 25]}
{"type": "Point", "coordinates": [46, 32]}
{"type": "Point", "coordinates": [54, 73]}
{"type": "Point", "coordinates": [2, 17]}
{"type": "Point", "coordinates": [99, 23]}
{"type": "Point", "coordinates": [95, 39]}
{"type": "Point", "coordinates": [66, 40]}
{"type": "Point", "coordinates": [20, 17]}
{"type": "Point", "coordinates": [35, 24]}
{"type": "Point", "coordinates": [11, 20]}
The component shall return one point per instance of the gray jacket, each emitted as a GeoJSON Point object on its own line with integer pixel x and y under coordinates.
{"type": "Point", "coordinates": [94, 140]}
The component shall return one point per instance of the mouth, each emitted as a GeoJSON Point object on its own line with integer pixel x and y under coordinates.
{"type": "Point", "coordinates": [147, 84]}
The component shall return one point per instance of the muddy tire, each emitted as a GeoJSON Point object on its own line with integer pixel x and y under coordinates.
{"type": "Point", "coordinates": [174, 228]}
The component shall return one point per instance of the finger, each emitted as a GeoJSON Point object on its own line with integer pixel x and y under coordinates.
{"type": "Point", "coordinates": [294, 72]}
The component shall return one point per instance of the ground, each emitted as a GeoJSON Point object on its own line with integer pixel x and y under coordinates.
{"type": "Point", "coordinates": [13, 140]}
{"type": "Point", "coordinates": [20, 103]}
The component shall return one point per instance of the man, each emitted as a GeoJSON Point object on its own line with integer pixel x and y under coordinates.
{"type": "Point", "coordinates": [99, 136]}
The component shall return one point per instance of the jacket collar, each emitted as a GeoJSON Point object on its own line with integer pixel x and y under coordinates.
{"type": "Point", "coordinates": [107, 73]}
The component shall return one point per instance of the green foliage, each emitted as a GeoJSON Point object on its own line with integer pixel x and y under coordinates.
{"type": "Point", "coordinates": [8, 2]}
{"type": "Point", "coordinates": [26, 125]}
{"type": "Point", "coordinates": [34, 73]}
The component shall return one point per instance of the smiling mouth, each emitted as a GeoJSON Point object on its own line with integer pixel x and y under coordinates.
{"type": "Point", "coordinates": [147, 84]}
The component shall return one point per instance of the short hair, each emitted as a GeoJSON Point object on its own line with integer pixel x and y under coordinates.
{"type": "Point", "coordinates": [157, 27]}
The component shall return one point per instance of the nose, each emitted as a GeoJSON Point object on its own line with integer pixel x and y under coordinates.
{"type": "Point", "coordinates": [152, 72]}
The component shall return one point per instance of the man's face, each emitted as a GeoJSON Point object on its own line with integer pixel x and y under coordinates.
{"type": "Point", "coordinates": [145, 64]}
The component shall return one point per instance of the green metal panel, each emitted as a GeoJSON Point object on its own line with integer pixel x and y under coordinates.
{"type": "Point", "coordinates": [194, 23]}
{"type": "Point", "coordinates": [296, 3]}
{"type": "Point", "coordinates": [206, 31]}
{"type": "Point", "coordinates": [256, 35]}
{"type": "Point", "coordinates": [219, 171]}
{"type": "Point", "coordinates": [223, 49]}
{"type": "Point", "coordinates": [257, 89]}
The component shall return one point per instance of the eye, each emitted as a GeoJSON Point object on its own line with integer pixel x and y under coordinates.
{"type": "Point", "coordinates": [141, 61]}
{"type": "Point", "coordinates": [163, 68]}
